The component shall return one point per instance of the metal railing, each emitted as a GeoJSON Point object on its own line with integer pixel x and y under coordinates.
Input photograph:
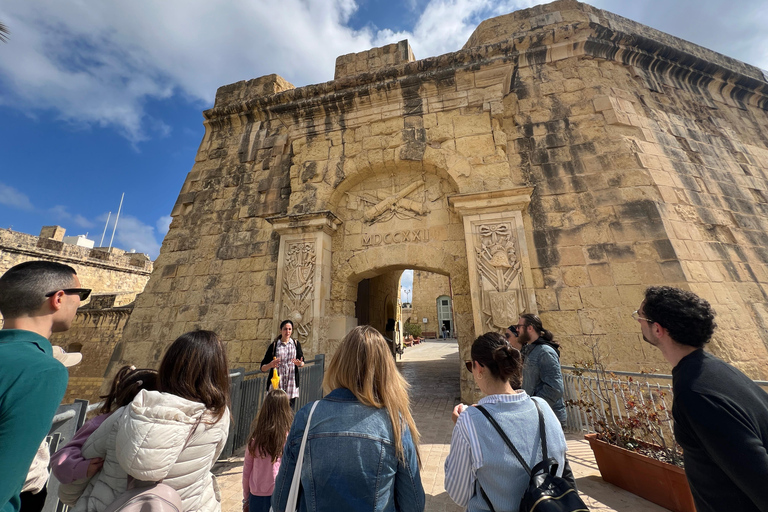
{"type": "Point", "coordinates": [248, 390]}
{"type": "Point", "coordinates": [586, 386]}
{"type": "Point", "coordinates": [646, 386]}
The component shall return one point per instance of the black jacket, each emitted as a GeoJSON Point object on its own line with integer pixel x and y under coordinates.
{"type": "Point", "coordinates": [721, 422]}
{"type": "Point", "coordinates": [270, 355]}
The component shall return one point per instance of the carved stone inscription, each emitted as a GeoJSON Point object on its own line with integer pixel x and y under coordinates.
{"type": "Point", "coordinates": [299, 285]}
{"type": "Point", "coordinates": [397, 237]}
{"type": "Point", "coordinates": [501, 283]}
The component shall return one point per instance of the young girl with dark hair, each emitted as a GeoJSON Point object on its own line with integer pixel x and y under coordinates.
{"type": "Point", "coordinates": [285, 356]}
{"type": "Point", "coordinates": [87, 467]}
{"type": "Point", "coordinates": [479, 468]}
{"type": "Point", "coordinates": [265, 448]}
{"type": "Point", "coordinates": [176, 434]}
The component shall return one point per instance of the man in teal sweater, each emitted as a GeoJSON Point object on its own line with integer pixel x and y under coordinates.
{"type": "Point", "coordinates": [37, 298]}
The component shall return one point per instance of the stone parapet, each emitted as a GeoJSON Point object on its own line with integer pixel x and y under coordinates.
{"type": "Point", "coordinates": [50, 248]}
{"type": "Point", "coordinates": [374, 59]}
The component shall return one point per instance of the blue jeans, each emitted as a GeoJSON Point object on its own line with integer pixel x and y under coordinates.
{"type": "Point", "coordinates": [258, 503]}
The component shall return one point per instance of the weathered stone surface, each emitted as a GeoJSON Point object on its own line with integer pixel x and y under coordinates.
{"type": "Point", "coordinates": [644, 159]}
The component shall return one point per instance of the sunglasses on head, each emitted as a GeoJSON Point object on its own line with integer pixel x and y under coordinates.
{"type": "Point", "coordinates": [82, 292]}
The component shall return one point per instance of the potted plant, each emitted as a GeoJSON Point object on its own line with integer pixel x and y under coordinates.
{"type": "Point", "coordinates": [633, 442]}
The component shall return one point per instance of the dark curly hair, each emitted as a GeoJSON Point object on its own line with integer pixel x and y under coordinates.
{"type": "Point", "coordinates": [689, 319]}
{"type": "Point", "coordinates": [502, 360]}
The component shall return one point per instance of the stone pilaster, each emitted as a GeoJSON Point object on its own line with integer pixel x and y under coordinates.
{"type": "Point", "coordinates": [500, 279]}
{"type": "Point", "coordinates": [304, 272]}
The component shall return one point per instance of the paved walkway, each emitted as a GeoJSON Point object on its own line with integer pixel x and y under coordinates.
{"type": "Point", "coordinates": [432, 369]}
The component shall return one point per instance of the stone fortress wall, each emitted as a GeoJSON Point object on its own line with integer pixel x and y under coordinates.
{"type": "Point", "coordinates": [116, 278]}
{"type": "Point", "coordinates": [559, 163]}
{"type": "Point", "coordinates": [427, 287]}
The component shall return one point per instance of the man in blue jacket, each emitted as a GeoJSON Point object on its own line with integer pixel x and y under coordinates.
{"type": "Point", "coordinates": [37, 298]}
{"type": "Point", "coordinates": [541, 364]}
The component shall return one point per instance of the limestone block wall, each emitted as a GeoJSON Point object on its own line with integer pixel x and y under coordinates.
{"type": "Point", "coordinates": [561, 162]}
{"type": "Point", "coordinates": [427, 287]}
{"type": "Point", "coordinates": [380, 300]}
{"type": "Point", "coordinates": [648, 169]}
{"type": "Point", "coordinates": [94, 333]}
{"type": "Point", "coordinates": [112, 272]}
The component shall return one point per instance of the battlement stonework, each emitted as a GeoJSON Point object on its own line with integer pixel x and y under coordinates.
{"type": "Point", "coordinates": [102, 269]}
{"type": "Point", "coordinates": [116, 278]}
{"type": "Point", "coordinates": [559, 163]}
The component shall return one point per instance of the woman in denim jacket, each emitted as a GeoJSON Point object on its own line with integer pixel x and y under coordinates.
{"type": "Point", "coordinates": [362, 448]}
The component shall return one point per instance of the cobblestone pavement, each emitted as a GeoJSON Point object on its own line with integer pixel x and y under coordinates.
{"type": "Point", "coordinates": [432, 370]}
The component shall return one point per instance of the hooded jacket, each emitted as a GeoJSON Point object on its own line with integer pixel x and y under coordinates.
{"type": "Point", "coordinates": [155, 441]}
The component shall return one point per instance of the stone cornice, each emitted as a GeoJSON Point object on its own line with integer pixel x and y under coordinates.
{"type": "Point", "coordinates": [727, 80]}
{"type": "Point", "coordinates": [491, 202]}
{"type": "Point", "coordinates": [324, 220]}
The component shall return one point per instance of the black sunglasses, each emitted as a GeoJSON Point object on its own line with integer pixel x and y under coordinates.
{"type": "Point", "coordinates": [82, 292]}
{"type": "Point", "coordinates": [468, 364]}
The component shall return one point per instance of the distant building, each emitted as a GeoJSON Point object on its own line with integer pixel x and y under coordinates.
{"type": "Point", "coordinates": [116, 278]}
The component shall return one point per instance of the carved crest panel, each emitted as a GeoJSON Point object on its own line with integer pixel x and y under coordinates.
{"type": "Point", "coordinates": [503, 298]}
{"type": "Point", "coordinates": [396, 197]}
{"type": "Point", "coordinates": [299, 285]}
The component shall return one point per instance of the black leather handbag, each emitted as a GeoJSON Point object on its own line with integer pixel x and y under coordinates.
{"type": "Point", "coordinates": [546, 492]}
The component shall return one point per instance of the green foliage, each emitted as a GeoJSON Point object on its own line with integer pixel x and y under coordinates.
{"type": "Point", "coordinates": [412, 329]}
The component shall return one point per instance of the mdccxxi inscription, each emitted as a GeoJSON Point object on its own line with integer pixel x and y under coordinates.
{"type": "Point", "coordinates": [396, 237]}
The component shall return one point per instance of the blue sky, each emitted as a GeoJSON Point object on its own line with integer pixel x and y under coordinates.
{"type": "Point", "coordinates": [99, 98]}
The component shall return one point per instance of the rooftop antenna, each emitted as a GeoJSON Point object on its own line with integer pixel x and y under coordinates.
{"type": "Point", "coordinates": [117, 218]}
{"type": "Point", "coordinates": [101, 244]}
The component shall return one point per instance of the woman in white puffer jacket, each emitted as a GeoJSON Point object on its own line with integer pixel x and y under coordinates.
{"type": "Point", "coordinates": [176, 434]}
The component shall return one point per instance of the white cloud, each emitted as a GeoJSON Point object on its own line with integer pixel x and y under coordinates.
{"type": "Point", "coordinates": [62, 216]}
{"type": "Point", "coordinates": [97, 63]}
{"type": "Point", "coordinates": [133, 234]}
{"type": "Point", "coordinates": [163, 224]}
{"type": "Point", "coordinates": [9, 196]}
{"type": "Point", "coordinates": [406, 283]}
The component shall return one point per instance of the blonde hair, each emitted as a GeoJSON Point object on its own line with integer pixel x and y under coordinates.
{"type": "Point", "coordinates": [364, 365]}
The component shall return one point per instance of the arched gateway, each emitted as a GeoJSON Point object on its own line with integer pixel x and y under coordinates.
{"type": "Point", "coordinates": [561, 161]}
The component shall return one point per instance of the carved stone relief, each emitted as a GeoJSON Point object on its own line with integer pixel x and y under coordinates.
{"type": "Point", "coordinates": [299, 285]}
{"type": "Point", "coordinates": [381, 205]}
{"type": "Point", "coordinates": [499, 270]}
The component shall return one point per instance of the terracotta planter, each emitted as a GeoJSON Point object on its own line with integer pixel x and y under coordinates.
{"type": "Point", "coordinates": [653, 480]}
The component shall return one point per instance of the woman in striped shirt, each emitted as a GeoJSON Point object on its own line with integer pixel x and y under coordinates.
{"type": "Point", "coordinates": [479, 458]}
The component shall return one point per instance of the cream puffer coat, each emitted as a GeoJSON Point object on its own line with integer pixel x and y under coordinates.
{"type": "Point", "coordinates": [154, 443]}
{"type": "Point", "coordinates": [111, 481]}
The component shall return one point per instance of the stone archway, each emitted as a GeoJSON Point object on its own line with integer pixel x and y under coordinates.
{"type": "Point", "coordinates": [390, 220]}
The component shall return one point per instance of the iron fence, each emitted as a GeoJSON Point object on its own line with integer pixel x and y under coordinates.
{"type": "Point", "coordinates": [248, 390]}
{"type": "Point", "coordinates": [645, 386]}
{"type": "Point", "coordinates": [68, 420]}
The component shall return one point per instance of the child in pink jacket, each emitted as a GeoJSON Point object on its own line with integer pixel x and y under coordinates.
{"type": "Point", "coordinates": [269, 431]}
{"type": "Point", "coordinates": [68, 464]}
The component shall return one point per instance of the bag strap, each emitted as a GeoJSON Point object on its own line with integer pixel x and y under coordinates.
{"type": "Point", "coordinates": [542, 430]}
{"type": "Point", "coordinates": [293, 494]}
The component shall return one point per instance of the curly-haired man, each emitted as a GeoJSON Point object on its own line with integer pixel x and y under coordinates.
{"type": "Point", "coordinates": [721, 416]}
